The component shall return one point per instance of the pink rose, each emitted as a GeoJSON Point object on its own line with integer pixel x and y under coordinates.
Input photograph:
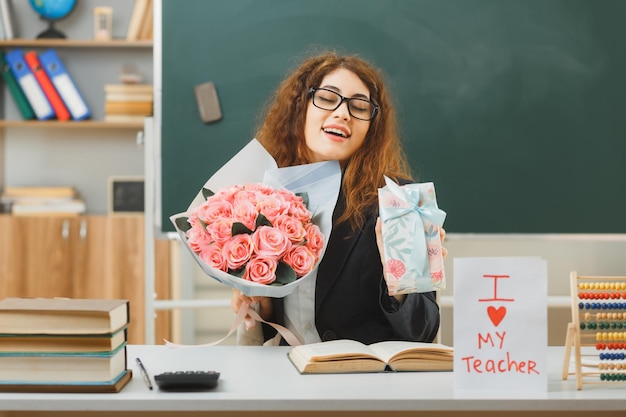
{"type": "Point", "coordinates": [314, 239]}
{"type": "Point", "coordinates": [194, 221]}
{"type": "Point", "coordinates": [271, 207]}
{"type": "Point", "coordinates": [287, 196]}
{"type": "Point", "coordinates": [220, 230]}
{"type": "Point", "coordinates": [300, 259]}
{"type": "Point", "coordinates": [213, 210]}
{"type": "Point", "coordinates": [292, 227]}
{"type": "Point", "coordinates": [269, 241]}
{"type": "Point", "coordinates": [260, 189]}
{"type": "Point", "coordinates": [245, 212]}
{"type": "Point", "coordinates": [213, 256]}
{"type": "Point", "coordinates": [261, 269]}
{"type": "Point", "coordinates": [299, 211]}
{"type": "Point", "coordinates": [198, 237]}
{"type": "Point", "coordinates": [226, 194]}
{"type": "Point", "coordinates": [244, 195]}
{"type": "Point", "coordinates": [237, 251]}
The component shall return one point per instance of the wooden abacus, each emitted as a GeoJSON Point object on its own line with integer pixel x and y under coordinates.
{"type": "Point", "coordinates": [598, 322]}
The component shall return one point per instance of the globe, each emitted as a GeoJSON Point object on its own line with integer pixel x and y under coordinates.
{"type": "Point", "coordinates": [52, 10]}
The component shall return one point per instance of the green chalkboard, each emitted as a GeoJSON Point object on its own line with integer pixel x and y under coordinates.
{"type": "Point", "coordinates": [515, 109]}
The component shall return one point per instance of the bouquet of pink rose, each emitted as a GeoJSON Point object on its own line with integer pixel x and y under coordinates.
{"type": "Point", "coordinates": [259, 228]}
{"type": "Point", "coordinates": [257, 233]}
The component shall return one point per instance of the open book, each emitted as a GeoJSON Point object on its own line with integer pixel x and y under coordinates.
{"type": "Point", "coordinates": [342, 356]}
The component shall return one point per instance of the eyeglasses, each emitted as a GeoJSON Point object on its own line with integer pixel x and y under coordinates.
{"type": "Point", "coordinates": [358, 108]}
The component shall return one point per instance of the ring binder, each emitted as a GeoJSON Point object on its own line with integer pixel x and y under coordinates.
{"type": "Point", "coordinates": [64, 84]}
{"type": "Point", "coordinates": [31, 88]}
{"type": "Point", "coordinates": [46, 85]}
{"type": "Point", "coordinates": [16, 91]}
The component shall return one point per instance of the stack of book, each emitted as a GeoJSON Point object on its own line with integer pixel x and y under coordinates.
{"type": "Point", "coordinates": [63, 345]}
{"type": "Point", "coordinates": [45, 201]}
{"type": "Point", "coordinates": [127, 102]}
{"type": "Point", "coordinates": [41, 86]}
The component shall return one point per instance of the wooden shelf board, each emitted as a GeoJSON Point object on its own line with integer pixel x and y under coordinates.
{"type": "Point", "coordinates": [73, 43]}
{"type": "Point", "coordinates": [82, 124]}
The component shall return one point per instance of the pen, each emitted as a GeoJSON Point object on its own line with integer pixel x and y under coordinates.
{"type": "Point", "coordinates": [144, 373]}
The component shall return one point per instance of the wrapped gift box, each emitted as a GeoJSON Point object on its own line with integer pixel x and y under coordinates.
{"type": "Point", "coordinates": [411, 222]}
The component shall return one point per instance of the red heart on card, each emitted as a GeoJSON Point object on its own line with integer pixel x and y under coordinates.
{"type": "Point", "coordinates": [496, 314]}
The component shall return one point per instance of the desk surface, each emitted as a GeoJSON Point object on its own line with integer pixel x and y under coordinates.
{"type": "Point", "coordinates": [262, 378]}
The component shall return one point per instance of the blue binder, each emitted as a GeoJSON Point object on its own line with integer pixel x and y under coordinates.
{"type": "Point", "coordinates": [29, 85]}
{"type": "Point", "coordinates": [64, 84]}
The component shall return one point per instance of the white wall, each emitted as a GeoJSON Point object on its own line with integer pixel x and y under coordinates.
{"type": "Point", "coordinates": [585, 254]}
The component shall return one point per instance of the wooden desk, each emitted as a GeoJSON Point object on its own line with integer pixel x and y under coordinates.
{"type": "Point", "coordinates": [262, 381]}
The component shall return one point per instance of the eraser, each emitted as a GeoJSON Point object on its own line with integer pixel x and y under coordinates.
{"type": "Point", "coordinates": [208, 102]}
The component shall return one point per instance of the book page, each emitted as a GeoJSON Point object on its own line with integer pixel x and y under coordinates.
{"type": "Point", "coordinates": [332, 365]}
{"type": "Point", "coordinates": [335, 349]}
{"type": "Point", "coordinates": [391, 350]}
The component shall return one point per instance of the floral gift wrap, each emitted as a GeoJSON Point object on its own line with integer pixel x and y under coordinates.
{"type": "Point", "coordinates": [411, 242]}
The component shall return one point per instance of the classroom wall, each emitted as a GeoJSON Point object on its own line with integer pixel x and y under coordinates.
{"type": "Point", "coordinates": [585, 254]}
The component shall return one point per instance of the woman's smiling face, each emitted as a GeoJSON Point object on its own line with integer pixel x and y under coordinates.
{"type": "Point", "coordinates": [335, 134]}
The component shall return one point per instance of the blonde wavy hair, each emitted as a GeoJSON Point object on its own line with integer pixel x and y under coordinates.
{"type": "Point", "coordinates": [282, 131]}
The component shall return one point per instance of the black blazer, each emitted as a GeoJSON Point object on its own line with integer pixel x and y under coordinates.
{"type": "Point", "coordinates": [351, 300]}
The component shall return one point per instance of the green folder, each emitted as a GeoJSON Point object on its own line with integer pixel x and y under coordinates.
{"type": "Point", "coordinates": [16, 90]}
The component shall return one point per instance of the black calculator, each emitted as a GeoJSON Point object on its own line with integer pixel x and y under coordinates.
{"type": "Point", "coordinates": [187, 380]}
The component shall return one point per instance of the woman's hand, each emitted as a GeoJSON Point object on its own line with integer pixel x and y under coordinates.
{"type": "Point", "coordinates": [265, 306]}
{"type": "Point", "coordinates": [442, 236]}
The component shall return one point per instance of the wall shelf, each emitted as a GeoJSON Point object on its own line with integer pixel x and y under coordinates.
{"type": "Point", "coordinates": [72, 43]}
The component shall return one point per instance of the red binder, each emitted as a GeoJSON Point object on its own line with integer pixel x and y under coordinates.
{"type": "Point", "coordinates": [46, 85]}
